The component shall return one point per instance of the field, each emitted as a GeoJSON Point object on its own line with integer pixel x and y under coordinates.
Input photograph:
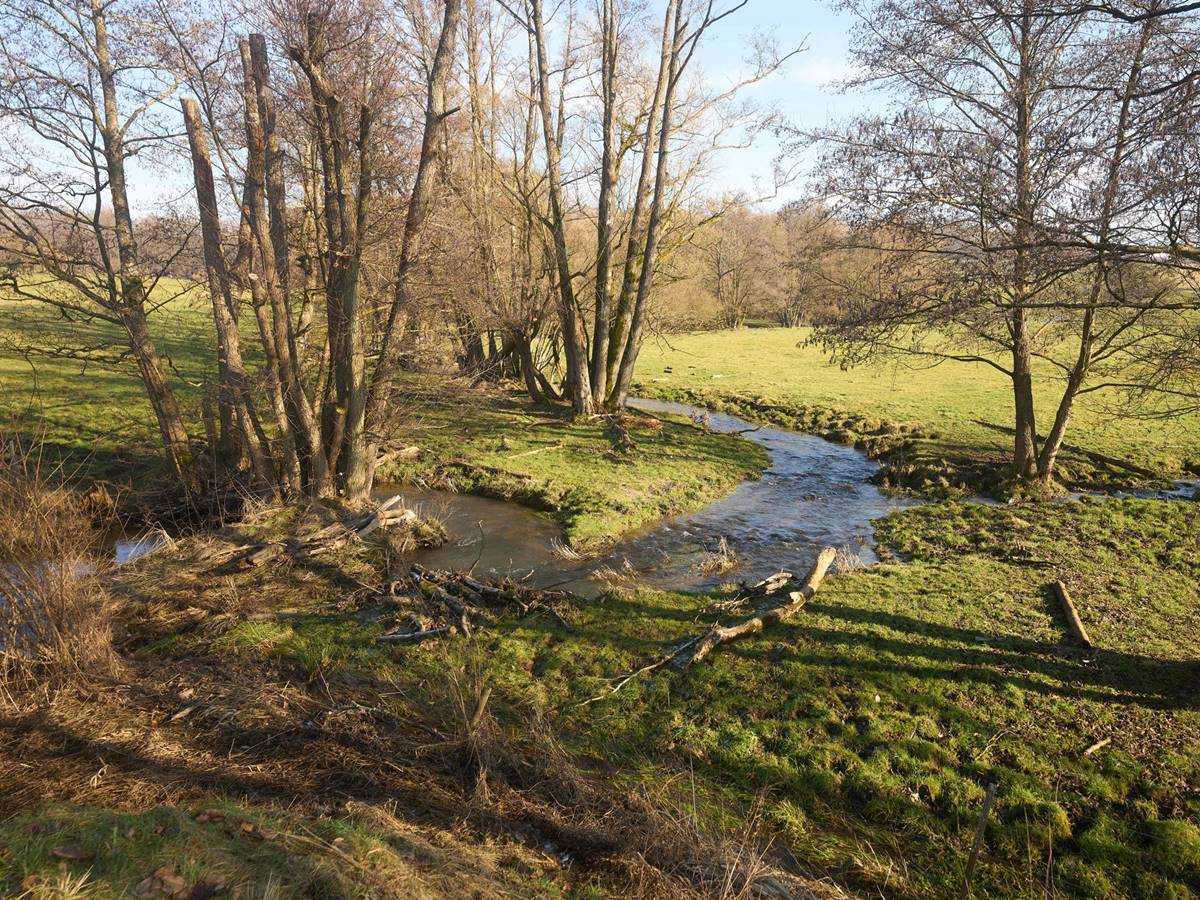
{"type": "Point", "coordinates": [952, 403]}
{"type": "Point", "coordinates": [852, 746]}
{"type": "Point", "coordinates": [94, 415]}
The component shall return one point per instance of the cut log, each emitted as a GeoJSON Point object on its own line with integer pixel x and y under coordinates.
{"type": "Point", "coordinates": [1072, 614]}
{"type": "Point", "coordinates": [718, 635]}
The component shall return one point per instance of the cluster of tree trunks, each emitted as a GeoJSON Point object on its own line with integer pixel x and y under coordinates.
{"type": "Point", "coordinates": [330, 422]}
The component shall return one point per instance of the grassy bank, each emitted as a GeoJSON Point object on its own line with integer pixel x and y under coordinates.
{"type": "Point", "coordinates": [932, 423]}
{"type": "Point", "coordinates": [853, 744]}
{"type": "Point", "coordinates": [92, 414]}
{"type": "Point", "coordinates": [597, 481]}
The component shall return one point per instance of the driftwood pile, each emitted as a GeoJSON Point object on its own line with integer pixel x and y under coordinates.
{"type": "Point", "coordinates": [333, 537]}
{"type": "Point", "coordinates": [446, 603]}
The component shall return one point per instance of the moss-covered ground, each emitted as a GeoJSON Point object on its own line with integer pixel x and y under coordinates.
{"type": "Point", "coordinates": [860, 737]}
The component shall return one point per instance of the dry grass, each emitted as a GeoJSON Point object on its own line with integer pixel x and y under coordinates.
{"type": "Point", "coordinates": [647, 839]}
{"type": "Point", "coordinates": [55, 617]}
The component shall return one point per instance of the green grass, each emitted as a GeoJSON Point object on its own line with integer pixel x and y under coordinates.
{"type": "Point", "coordinates": [498, 443]}
{"type": "Point", "coordinates": [866, 730]}
{"type": "Point", "coordinates": [773, 366]}
{"type": "Point", "coordinates": [96, 419]}
{"type": "Point", "coordinates": [94, 416]}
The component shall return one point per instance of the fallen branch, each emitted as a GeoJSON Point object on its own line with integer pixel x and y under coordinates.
{"type": "Point", "coordinates": [765, 588]}
{"type": "Point", "coordinates": [1072, 614]}
{"type": "Point", "coordinates": [399, 453]}
{"type": "Point", "coordinates": [1098, 746]}
{"type": "Point", "coordinates": [457, 604]}
{"type": "Point", "coordinates": [331, 537]}
{"type": "Point", "coordinates": [719, 635]}
{"type": "Point", "coordinates": [404, 637]}
{"type": "Point", "coordinates": [544, 449]}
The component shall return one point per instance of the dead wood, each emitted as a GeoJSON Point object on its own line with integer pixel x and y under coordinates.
{"type": "Point", "coordinates": [331, 537]}
{"type": "Point", "coordinates": [1072, 614]}
{"type": "Point", "coordinates": [1097, 747]}
{"type": "Point", "coordinates": [693, 653]}
{"type": "Point", "coordinates": [459, 603]}
{"type": "Point", "coordinates": [405, 637]}
{"type": "Point", "coordinates": [765, 588]}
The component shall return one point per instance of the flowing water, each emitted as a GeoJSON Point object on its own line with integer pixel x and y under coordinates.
{"type": "Point", "coordinates": [815, 494]}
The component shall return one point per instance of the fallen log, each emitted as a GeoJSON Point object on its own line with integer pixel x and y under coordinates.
{"type": "Point", "coordinates": [693, 653]}
{"type": "Point", "coordinates": [1072, 614]}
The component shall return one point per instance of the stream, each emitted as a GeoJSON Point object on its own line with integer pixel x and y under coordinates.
{"type": "Point", "coordinates": [814, 494]}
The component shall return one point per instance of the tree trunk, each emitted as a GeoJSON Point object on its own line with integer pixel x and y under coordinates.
{"type": "Point", "coordinates": [1025, 441]}
{"type": "Point", "coordinates": [578, 375]}
{"type": "Point", "coordinates": [608, 187]}
{"type": "Point", "coordinates": [132, 288]}
{"type": "Point", "coordinates": [229, 355]}
{"type": "Point", "coordinates": [276, 266]}
{"type": "Point", "coordinates": [623, 319]}
{"type": "Point", "coordinates": [633, 343]}
{"type": "Point", "coordinates": [436, 113]}
{"type": "Point", "coordinates": [1083, 360]}
{"type": "Point", "coordinates": [260, 276]}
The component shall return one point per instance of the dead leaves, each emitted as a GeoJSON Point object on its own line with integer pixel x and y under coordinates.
{"type": "Point", "coordinates": [163, 883]}
{"type": "Point", "coordinates": [166, 882]}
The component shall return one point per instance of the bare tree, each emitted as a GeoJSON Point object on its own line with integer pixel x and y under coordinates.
{"type": "Point", "coordinates": [78, 99]}
{"type": "Point", "coordinates": [996, 192]}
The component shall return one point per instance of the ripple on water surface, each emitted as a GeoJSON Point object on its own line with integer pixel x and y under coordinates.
{"type": "Point", "coordinates": [815, 494]}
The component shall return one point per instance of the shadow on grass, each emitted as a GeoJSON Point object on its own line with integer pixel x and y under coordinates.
{"type": "Point", "coordinates": [1051, 669]}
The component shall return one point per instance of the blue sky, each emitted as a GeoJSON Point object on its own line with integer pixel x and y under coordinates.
{"type": "Point", "coordinates": [802, 91]}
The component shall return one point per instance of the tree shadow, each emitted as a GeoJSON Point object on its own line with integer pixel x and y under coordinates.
{"type": "Point", "coordinates": [1049, 669]}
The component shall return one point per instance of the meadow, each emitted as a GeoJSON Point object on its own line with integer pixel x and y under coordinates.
{"type": "Point", "coordinates": [851, 747]}
{"type": "Point", "coordinates": [959, 408]}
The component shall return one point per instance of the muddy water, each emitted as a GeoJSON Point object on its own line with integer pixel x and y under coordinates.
{"type": "Point", "coordinates": [815, 494]}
